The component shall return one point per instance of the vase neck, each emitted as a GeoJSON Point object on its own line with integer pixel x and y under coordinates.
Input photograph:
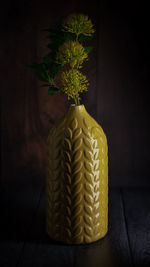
{"type": "Point", "coordinates": [76, 108]}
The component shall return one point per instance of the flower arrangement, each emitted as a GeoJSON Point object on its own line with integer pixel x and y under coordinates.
{"type": "Point", "coordinates": [66, 57]}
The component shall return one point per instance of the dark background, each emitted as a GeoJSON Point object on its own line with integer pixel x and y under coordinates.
{"type": "Point", "coordinates": [118, 95]}
{"type": "Point", "coordinates": [118, 98]}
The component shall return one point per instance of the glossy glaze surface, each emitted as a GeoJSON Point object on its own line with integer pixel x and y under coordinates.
{"type": "Point", "coordinates": [76, 179]}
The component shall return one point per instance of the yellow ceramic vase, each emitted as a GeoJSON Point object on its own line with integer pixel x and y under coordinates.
{"type": "Point", "coordinates": [76, 179]}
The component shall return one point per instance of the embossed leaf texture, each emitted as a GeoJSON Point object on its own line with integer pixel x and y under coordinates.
{"type": "Point", "coordinates": [77, 181]}
{"type": "Point", "coordinates": [54, 185]}
{"type": "Point", "coordinates": [95, 225]}
{"type": "Point", "coordinates": [74, 171]}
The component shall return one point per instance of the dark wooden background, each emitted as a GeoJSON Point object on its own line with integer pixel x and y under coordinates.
{"type": "Point", "coordinates": [118, 95]}
{"type": "Point", "coordinates": [118, 98]}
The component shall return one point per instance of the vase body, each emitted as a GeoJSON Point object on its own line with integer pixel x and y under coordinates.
{"type": "Point", "coordinates": [76, 179]}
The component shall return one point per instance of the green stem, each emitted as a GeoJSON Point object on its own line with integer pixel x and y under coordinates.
{"type": "Point", "coordinates": [78, 102]}
{"type": "Point", "coordinates": [78, 65]}
{"type": "Point", "coordinates": [77, 38]}
{"type": "Point", "coordinates": [75, 100]}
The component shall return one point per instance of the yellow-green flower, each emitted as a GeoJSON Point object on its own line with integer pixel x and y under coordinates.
{"type": "Point", "coordinates": [72, 53]}
{"type": "Point", "coordinates": [78, 24]}
{"type": "Point", "coordinates": [73, 82]}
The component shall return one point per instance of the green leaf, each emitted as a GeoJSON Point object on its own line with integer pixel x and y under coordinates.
{"type": "Point", "coordinates": [83, 38]}
{"type": "Point", "coordinates": [55, 69]}
{"type": "Point", "coordinates": [68, 36]}
{"type": "Point", "coordinates": [58, 37]}
{"type": "Point", "coordinates": [41, 72]}
{"type": "Point", "coordinates": [52, 90]}
{"type": "Point", "coordinates": [88, 49]}
{"type": "Point", "coordinates": [48, 60]}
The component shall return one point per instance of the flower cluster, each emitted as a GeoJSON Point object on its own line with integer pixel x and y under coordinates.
{"type": "Point", "coordinates": [71, 52]}
{"type": "Point", "coordinates": [78, 24]}
{"type": "Point", "coordinates": [60, 68]}
{"type": "Point", "coordinates": [74, 54]}
{"type": "Point", "coordinates": [73, 82]}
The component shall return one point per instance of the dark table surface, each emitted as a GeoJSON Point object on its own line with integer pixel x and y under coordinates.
{"type": "Point", "coordinates": [23, 241]}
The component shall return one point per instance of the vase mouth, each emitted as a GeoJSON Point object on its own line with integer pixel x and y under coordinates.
{"type": "Point", "coordinates": [74, 107]}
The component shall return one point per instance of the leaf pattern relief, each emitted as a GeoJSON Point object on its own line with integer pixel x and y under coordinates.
{"type": "Point", "coordinates": [91, 186]}
{"type": "Point", "coordinates": [73, 182]}
{"type": "Point", "coordinates": [54, 184]}
{"type": "Point", "coordinates": [77, 189]}
{"type": "Point", "coordinates": [103, 197]}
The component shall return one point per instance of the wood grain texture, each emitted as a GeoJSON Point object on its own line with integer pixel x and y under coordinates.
{"type": "Point", "coordinates": [10, 252]}
{"type": "Point", "coordinates": [137, 215]}
{"type": "Point", "coordinates": [112, 251]}
{"type": "Point", "coordinates": [117, 229]}
{"type": "Point", "coordinates": [18, 205]}
{"type": "Point", "coordinates": [24, 242]}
